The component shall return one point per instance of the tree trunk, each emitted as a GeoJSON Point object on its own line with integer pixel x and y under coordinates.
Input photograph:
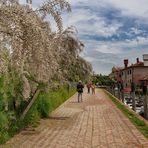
{"type": "Point", "coordinates": [30, 104]}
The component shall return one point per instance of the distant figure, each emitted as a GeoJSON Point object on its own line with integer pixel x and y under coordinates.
{"type": "Point", "coordinates": [93, 88]}
{"type": "Point", "coordinates": [80, 87]}
{"type": "Point", "coordinates": [88, 87]}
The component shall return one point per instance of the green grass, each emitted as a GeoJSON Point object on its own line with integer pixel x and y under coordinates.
{"type": "Point", "coordinates": [43, 106]}
{"type": "Point", "coordinates": [46, 103]}
{"type": "Point", "coordinates": [3, 127]}
{"type": "Point", "coordinates": [139, 123]}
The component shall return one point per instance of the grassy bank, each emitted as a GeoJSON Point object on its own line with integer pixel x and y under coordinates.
{"type": "Point", "coordinates": [46, 103]}
{"type": "Point", "coordinates": [43, 106]}
{"type": "Point", "coordinates": [139, 123]}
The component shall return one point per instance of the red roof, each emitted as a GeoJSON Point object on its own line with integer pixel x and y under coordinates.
{"type": "Point", "coordinates": [138, 64]}
{"type": "Point", "coordinates": [135, 65]}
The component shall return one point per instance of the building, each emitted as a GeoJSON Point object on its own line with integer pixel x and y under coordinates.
{"type": "Point", "coordinates": [135, 72]}
{"type": "Point", "coordinates": [145, 58]}
{"type": "Point", "coordinates": [115, 75]}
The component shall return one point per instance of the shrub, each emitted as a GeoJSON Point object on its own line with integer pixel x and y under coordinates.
{"type": "Point", "coordinates": [32, 116]}
{"type": "Point", "coordinates": [3, 127]}
{"type": "Point", "coordinates": [44, 105]}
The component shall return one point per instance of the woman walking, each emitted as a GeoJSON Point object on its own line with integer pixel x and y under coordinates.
{"type": "Point", "coordinates": [93, 88]}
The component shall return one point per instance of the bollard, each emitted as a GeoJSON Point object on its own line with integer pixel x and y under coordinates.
{"type": "Point", "coordinates": [133, 96]}
{"type": "Point", "coordinates": [122, 96]}
{"type": "Point", "coordinates": [119, 94]}
{"type": "Point", "coordinates": [145, 101]}
{"type": "Point", "coordinates": [112, 91]}
{"type": "Point", "coordinates": [146, 106]}
{"type": "Point", "coordinates": [133, 101]}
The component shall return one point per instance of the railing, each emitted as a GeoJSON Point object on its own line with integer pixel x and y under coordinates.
{"type": "Point", "coordinates": [139, 103]}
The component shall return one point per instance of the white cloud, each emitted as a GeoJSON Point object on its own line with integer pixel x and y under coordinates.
{"type": "Point", "coordinates": [90, 22]}
{"type": "Point", "coordinates": [137, 8]}
{"type": "Point", "coordinates": [117, 47]}
{"type": "Point", "coordinates": [105, 55]}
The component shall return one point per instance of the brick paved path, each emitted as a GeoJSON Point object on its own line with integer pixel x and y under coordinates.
{"type": "Point", "coordinates": [95, 123]}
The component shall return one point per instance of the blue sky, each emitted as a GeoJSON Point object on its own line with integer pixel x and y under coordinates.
{"type": "Point", "coordinates": [110, 29]}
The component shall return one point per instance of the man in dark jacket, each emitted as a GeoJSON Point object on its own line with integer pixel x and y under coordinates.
{"type": "Point", "coordinates": [80, 87]}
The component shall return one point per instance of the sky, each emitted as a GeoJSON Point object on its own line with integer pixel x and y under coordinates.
{"type": "Point", "coordinates": [111, 30]}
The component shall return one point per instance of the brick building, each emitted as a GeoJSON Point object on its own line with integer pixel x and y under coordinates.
{"type": "Point", "coordinates": [135, 72]}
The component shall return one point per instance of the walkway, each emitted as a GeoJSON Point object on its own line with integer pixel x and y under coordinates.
{"type": "Point", "coordinates": [95, 123]}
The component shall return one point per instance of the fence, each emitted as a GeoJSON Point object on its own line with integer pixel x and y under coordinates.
{"type": "Point", "coordinates": [136, 100]}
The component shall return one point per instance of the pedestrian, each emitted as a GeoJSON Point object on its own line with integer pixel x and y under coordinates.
{"type": "Point", "coordinates": [93, 88]}
{"type": "Point", "coordinates": [80, 87]}
{"type": "Point", "coordinates": [88, 87]}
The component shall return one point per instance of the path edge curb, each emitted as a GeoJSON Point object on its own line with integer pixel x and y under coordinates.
{"type": "Point", "coordinates": [64, 103]}
{"type": "Point", "coordinates": [138, 116]}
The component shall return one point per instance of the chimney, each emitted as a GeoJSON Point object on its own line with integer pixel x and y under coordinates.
{"type": "Point", "coordinates": [137, 60]}
{"type": "Point", "coordinates": [125, 63]}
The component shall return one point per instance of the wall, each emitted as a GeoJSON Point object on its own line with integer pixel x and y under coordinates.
{"type": "Point", "coordinates": [134, 74]}
{"type": "Point", "coordinates": [126, 77]}
{"type": "Point", "coordinates": [145, 59]}
{"type": "Point", "coordinates": [139, 73]}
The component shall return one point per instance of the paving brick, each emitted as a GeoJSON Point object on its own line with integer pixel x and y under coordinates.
{"type": "Point", "coordinates": [94, 123]}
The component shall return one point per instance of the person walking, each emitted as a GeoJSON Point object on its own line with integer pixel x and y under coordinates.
{"type": "Point", "coordinates": [80, 87]}
{"type": "Point", "coordinates": [88, 87]}
{"type": "Point", "coordinates": [93, 88]}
